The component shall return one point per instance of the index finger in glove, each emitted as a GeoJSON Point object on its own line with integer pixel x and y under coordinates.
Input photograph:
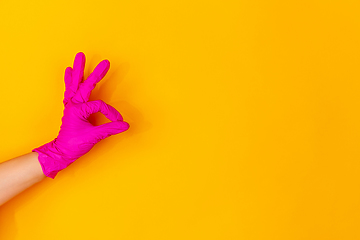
{"type": "Point", "coordinates": [110, 112]}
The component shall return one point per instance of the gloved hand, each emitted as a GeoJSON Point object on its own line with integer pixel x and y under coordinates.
{"type": "Point", "coordinates": [77, 135]}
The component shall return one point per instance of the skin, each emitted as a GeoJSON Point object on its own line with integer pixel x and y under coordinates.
{"type": "Point", "coordinates": [18, 174]}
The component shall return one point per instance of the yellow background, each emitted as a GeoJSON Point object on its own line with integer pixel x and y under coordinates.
{"type": "Point", "coordinates": [244, 118]}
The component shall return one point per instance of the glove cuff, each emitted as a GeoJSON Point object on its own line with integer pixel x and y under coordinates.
{"type": "Point", "coordinates": [51, 159]}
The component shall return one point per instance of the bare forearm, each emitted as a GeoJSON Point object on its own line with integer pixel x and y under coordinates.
{"type": "Point", "coordinates": [18, 174]}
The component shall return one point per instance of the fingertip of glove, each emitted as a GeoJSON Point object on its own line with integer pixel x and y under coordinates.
{"type": "Point", "coordinates": [115, 127]}
{"type": "Point", "coordinates": [106, 64]}
{"type": "Point", "coordinates": [80, 54]}
{"type": "Point", "coordinates": [120, 126]}
{"type": "Point", "coordinates": [106, 61]}
{"type": "Point", "coordinates": [124, 125]}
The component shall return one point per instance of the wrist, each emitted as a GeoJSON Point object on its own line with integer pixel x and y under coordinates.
{"type": "Point", "coordinates": [51, 159]}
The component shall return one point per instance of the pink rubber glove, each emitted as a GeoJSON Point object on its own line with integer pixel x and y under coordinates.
{"type": "Point", "coordinates": [77, 135]}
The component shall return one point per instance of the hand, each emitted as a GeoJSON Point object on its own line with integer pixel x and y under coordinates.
{"type": "Point", "coordinates": [77, 135]}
